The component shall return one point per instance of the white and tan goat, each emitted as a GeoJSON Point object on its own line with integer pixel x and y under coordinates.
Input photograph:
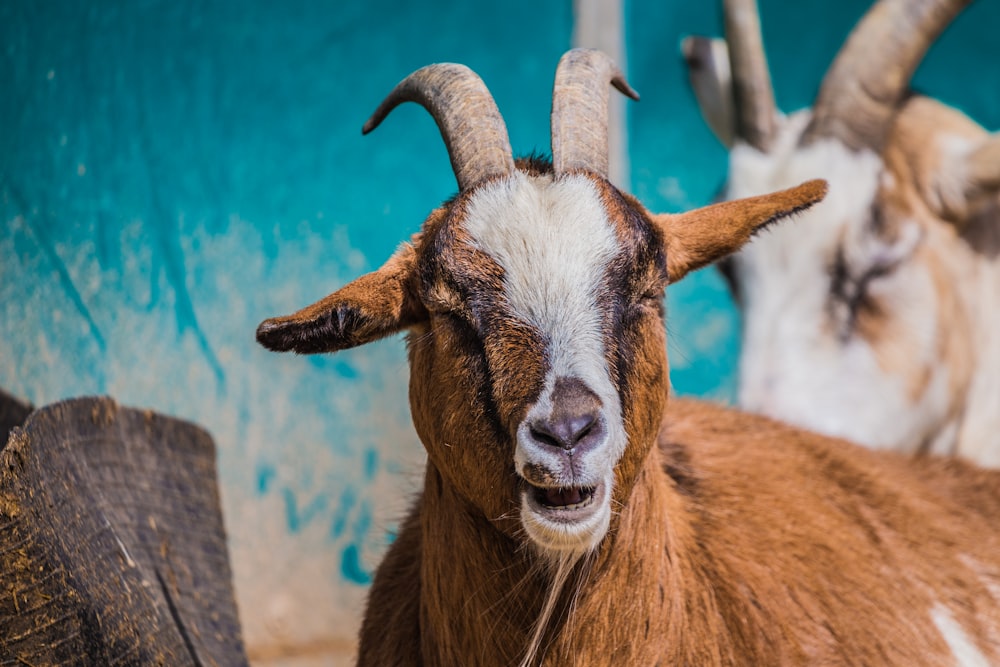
{"type": "Point", "coordinates": [878, 317]}
{"type": "Point", "coordinates": [569, 516]}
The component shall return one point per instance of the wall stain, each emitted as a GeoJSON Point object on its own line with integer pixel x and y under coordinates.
{"type": "Point", "coordinates": [65, 279]}
{"type": "Point", "coordinates": [167, 233]}
{"type": "Point", "coordinates": [350, 517]}
{"type": "Point", "coordinates": [351, 568]}
{"type": "Point", "coordinates": [296, 517]}
{"type": "Point", "coordinates": [339, 521]}
{"type": "Point", "coordinates": [265, 475]}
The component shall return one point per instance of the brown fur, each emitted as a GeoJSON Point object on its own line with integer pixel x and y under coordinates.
{"type": "Point", "coordinates": [733, 539]}
{"type": "Point", "coordinates": [369, 308]}
{"type": "Point", "coordinates": [817, 552]}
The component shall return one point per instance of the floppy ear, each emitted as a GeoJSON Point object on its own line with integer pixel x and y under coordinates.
{"type": "Point", "coordinates": [700, 237]}
{"type": "Point", "coordinates": [373, 306]}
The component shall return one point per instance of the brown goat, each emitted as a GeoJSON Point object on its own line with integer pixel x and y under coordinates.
{"type": "Point", "coordinates": [568, 516]}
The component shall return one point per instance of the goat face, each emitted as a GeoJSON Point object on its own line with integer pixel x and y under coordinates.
{"type": "Point", "coordinates": [854, 322]}
{"type": "Point", "coordinates": [544, 301]}
{"type": "Point", "coordinates": [534, 304]}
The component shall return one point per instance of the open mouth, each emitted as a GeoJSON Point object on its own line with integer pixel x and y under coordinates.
{"type": "Point", "coordinates": [563, 497]}
{"type": "Point", "coordinates": [566, 518]}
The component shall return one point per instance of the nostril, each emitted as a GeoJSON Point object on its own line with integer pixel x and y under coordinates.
{"type": "Point", "coordinates": [581, 426]}
{"type": "Point", "coordinates": [541, 435]}
{"type": "Point", "coordinates": [565, 431]}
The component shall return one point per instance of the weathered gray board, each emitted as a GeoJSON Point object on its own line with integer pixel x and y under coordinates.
{"type": "Point", "coordinates": [112, 546]}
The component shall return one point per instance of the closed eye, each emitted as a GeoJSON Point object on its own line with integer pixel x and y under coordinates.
{"type": "Point", "coordinates": [459, 318]}
{"type": "Point", "coordinates": [652, 301]}
{"type": "Point", "coordinates": [441, 298]}
{"type": "Point", "coordinates": [652, 290]}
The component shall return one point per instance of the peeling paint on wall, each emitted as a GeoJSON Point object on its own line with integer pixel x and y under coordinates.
{"type": "Point", "coordinates": [171, 173]}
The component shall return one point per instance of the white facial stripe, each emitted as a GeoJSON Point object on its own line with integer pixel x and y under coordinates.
{"type": "Point", "coordinates": [554, 242]}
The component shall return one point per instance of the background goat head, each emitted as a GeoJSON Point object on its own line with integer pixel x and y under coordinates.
{"type": "Point", "coordinates": [877, 319]}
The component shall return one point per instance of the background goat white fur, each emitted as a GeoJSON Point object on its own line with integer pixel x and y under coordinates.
{"type": "Point", "coordinates": [878, 318]}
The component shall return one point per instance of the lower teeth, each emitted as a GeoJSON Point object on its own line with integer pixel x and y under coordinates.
{"type": "Point", "coordinates": [569, 498]}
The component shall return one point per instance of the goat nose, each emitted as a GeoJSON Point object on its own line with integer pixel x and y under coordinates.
{"type": "Point", "coordinates": [575, 419]}
{"type": "Point", "coordinates": [565, 432]}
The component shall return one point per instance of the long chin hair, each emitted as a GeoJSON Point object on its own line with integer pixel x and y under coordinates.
{"type": "Point", "coordinates": [560, 568]}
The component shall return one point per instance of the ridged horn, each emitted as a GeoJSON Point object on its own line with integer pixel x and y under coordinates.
{"type": "Point", "coordinates": [580, 110]}
{"type": "Point", "coordinates": [471, 125]}
{"type": "Point", "coordinates": [753, 94]}
{"type": "Point", "coordinates": [871, 73]}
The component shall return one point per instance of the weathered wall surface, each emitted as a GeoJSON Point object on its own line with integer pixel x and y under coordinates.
{"type": "Point", "coordinates": [173, 172]}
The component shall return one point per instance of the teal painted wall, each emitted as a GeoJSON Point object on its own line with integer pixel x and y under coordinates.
{"type": "Point", "coordinates": [173, 172]}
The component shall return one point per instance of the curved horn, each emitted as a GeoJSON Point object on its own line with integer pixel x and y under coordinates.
{"type": "Point", "coordinates": [872, 72]}
{"type": "Point", "coordinates": [756, 113]}
{"type": "Point", "coordinates": [580, 110]}
{"type": "Point", "coordinates": [470, 123]}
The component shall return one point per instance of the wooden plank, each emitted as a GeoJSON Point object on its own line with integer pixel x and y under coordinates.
{"type": "Point", "coordinates": [112, 546]}
{"type": "Point", "coordinates": [600, 24]}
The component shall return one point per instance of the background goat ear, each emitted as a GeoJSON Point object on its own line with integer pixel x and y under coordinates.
{"type": "Point", "coordinates": [373, 306]}
{"type": "Point", "coordinates": [699, 237]}
{"type": "Point", "coordinates": [966, 183]}
{"type": "Point", "coordinates": [711, 80]}
{"type": "Point", "coordinates": [981, 171]}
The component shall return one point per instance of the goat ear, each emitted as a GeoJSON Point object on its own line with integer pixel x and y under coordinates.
{"type": "Point", "coordinates": [982, 169]}
{"type": "Point", "coordinates": [373, 306]}
{"type": "Point", "coordinates": [965, 182]}
{"type": "Point", "coordinates": [711, 80]}
{"type": "Point", "coordinates": [698, 238]}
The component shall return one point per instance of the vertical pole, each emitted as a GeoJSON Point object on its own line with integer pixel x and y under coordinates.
{"type": "Point", "coordinates": [600, 24]}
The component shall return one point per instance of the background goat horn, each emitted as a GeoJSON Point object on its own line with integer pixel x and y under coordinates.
{"type": "Point", "coordinates": [872, 72]}
{"type": "Point", "coordinates": [753, 94]}
{"type": "Point", "coordinates": [580, 110]}
{"type": "Point", "coordinates": [470, 123]}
